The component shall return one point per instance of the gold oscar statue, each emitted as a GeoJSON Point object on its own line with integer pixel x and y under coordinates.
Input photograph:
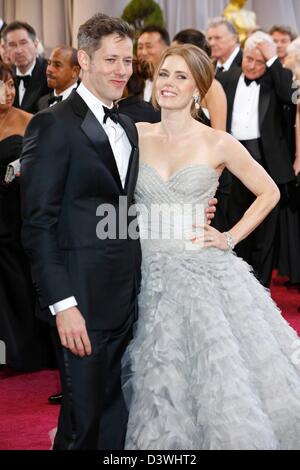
{"type": "Point", "coordinates": [243, 20]}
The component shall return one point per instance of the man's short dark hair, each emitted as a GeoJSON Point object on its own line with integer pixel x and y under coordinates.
{"type": "Point", "coordinates": [92, 31]}
{"type": "Point", "coordinates": [73, 54]}
{"type": "Point", "coordinates": [15, 26]}
{"type": "Point", "coordinates": [193, 36]}
{"type": "Point", "coordinates": [279, 28]}
{"type": "Point", "coordinates": [157, 29]}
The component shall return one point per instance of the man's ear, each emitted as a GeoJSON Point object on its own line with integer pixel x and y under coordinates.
{"type": "Point", "coordinates": [84, 60]}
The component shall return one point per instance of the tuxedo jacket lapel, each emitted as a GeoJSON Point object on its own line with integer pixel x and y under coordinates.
{"type": "Point", "coordinates": [133, 161]}
{"type": "Point", "coordinates": [231, 91]}
{"type": "Point", "coordinates": [132, 173]}
{"type": "Point", "coordinates": [264, 99]}
{"type": "Point", "coordinates": [96, 134]}
{"type": "Point", "coordinates": [36, 85]}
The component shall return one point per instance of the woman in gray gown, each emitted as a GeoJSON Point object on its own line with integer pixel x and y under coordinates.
{"type": "Point", "coordinates": [213, 363]}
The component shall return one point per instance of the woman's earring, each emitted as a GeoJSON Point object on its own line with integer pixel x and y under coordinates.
{"type": "Point", "coordinates": [196, 102]}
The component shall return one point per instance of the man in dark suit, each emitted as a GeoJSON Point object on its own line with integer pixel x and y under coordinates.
{"type": "Point", "coordinates": [80, 162]}
{"type": "Point", "coordinates": [21, 43]}
{"type": "Point", "coordinates": [62, 75]}
{"type": "Point", "coordinates": [79, 159]}
{"type": "Point", "coordinates": [224, 42]}
{"type": "Point", "coordinates": [255, 96]}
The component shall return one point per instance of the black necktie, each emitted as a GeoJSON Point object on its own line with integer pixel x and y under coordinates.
{"type": "Point", "coordinates": [111, 113]}
{"type": "Point", "coordinates": [25, 79]}
{"type": "Point", "coordinates": [54, 99]}
{"type": "Point", "coordinates": [248, 81]}
{"type": "Point", "coordinates": [219, 70]}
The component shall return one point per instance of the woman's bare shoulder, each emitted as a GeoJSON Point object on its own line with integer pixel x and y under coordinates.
{"type": "Point", "coordinates": [219, 142]}
{"type": "Point", "coordinates": [23, 116]}
{"type": "Point", "coordinates": [219, 137]}
{"type": "Point", "coordinates": [145, 127]}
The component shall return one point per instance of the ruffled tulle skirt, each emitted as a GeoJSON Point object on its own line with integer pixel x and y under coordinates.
{"type": "Point", "coordinates": [213, 363]}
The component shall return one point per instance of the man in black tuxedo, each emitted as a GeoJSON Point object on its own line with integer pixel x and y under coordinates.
{"type": "Point", "coordinates": [80, 162]}
{"type": "Point", "coordinates": [223, 40]}
{"type": "Point", "coordinates": [79, 158]}
{"type": "Point", "coordinates": [255, 97]}
{"type": "Point", "coordinates": [21, 44]}
{"type": "Point", "coordinates": [62, 74]}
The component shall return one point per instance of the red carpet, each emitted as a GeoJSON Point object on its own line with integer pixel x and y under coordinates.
{"type": "Point", "coordinates": [25, 416]}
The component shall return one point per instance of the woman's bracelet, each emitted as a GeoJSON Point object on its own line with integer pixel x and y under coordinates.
{"type": "Point", "coordinates": [230, 240]}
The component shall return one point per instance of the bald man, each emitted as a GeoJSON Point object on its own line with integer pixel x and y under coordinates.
{"type": "Point", "coordinates": [62, 75]}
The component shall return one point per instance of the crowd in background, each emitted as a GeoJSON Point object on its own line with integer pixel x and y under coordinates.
{"type": "Point", "coordinates": [253, 97]}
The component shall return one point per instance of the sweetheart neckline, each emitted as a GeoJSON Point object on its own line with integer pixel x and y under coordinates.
{"type": "Point", "coordinates": [195, 165]}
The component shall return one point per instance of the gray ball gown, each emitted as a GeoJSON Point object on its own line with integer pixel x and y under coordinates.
{"type": "Point", "coordinates": [213, 362]}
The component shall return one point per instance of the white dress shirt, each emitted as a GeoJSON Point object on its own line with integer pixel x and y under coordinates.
{"type": "Point", "coordinates": [245, 122]}
{"type": "Point", "coordinates": [22, 89]}
{"type": "Point", "coordinates": [121, 148]}
{"type": "Point", "coordinates": [148, 90]}
{"type": "Point", "coordinates": [227, 64]}
{"type": "Point", "coordinates": [245, 112]}
{"type": "Point", "coordinates": [65, 94]}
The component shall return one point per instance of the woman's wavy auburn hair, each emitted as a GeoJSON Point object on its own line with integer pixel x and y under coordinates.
{"type": "Point", "coordinates": [198, 62]}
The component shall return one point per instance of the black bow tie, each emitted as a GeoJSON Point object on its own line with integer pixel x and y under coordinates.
{"type": "Point", "coordinates": [111, 113]}
{"type": "Point", "coordinates": [248, 81]}
{"type": "Point", "coordinates": [25, 79]}
{"type": "Point", "coordinates": [219, 70]}
{"type": "Point", "coordinates": [54, 99]}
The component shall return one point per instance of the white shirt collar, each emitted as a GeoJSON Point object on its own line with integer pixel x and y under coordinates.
{"type": "Point", "coordinates": [66, 93]}
{"type": "Point", "coordinates": [95, 105]}
{"type": "Point", "coordinates": [228, 62]}
{"type": "Point", "coordinates": [29, 71]}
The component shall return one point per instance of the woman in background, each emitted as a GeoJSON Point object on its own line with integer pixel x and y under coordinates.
{"type": "Point", "coordinates": [19, 329]}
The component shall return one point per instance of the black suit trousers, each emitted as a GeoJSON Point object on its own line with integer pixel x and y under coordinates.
{"type": "Point", "coordinates": [93, 415]}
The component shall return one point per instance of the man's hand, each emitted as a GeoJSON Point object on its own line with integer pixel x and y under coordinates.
{"type": "Point", "coordinates": [268, 49]}
{"type": "Point", "coordinates": [211, 209]}
{"type": "Point", "coordinates": [72, 332]}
